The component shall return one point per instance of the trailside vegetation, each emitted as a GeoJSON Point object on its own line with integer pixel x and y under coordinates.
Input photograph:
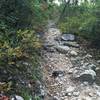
{"type": "Point", "coordinates": [20, 21]}
{"type": "Point", "coordinates": [81, 18]}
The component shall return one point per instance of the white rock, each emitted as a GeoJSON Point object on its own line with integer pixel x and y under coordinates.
{"type": "Point", "coordinates": [17, 98]}
{"type": "Point", "coordinates": [26, 63]}
{"type": "Point", "coordinates": [85, 83]}
{"type": "Point", "coordinates": [98, 61]}
{"type": "Point", "coordinates": [68, 37]}
{"type": "Point", "coordinates": [62, 49]}
{"type": "Point", "coordinates": [76, 93]}
{"type": "Point", "coordinates": [70, 71]}
{"type": "Point", "coordinates": [70, 89]}
{"type": "Point", "coordinates": [91, 94]}
{"type": "Point", "coordinates": [69, 94]}
{"type": "Point", "coordinates": [98, 93]}
{"type": "Point", "coordinates": [73, 53]}
{"type": "Point", "coordinates": [88, 56]}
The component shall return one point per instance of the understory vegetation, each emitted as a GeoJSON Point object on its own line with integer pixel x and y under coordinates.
{"type": "Point", "coordinates": [82, 19]}
{"type": "Point", "coordinates": [20, 21]}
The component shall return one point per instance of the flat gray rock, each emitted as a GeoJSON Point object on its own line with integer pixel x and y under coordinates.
{"type": "Point", "coordinates": [87, 75]}
{"type": "Point", "coordinates": [71, 44]}
{"type": "Point", "coordinates": [68, 37]}
{"type": "Point", "coordinates": [62, 49]}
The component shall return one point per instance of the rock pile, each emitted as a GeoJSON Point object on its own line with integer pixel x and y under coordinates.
{"type": "Point", "coordinates": [73, 70]}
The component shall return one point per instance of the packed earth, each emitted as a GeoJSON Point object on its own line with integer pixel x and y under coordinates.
{"type": "Point", "coordinates": [69, 72]}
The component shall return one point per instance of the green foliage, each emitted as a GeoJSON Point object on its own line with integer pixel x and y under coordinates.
{"type": "Point", "coordinates": [71, 25]}
{"type": "Point", "coordinates": [25, 94]}
{"type": "Point", "coordinates": [83, 19]}
{"type": "Point", "coordinates": [19, 21]}
{"type": "Point", "coordinates": [24, 13]}
{"type": "Point", "coordinates": [76, 24]}
{"type": "Point", "coordinates": [37, 98]}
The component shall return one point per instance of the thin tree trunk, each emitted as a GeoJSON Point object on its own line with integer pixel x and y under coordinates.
{"type": "Point", "coordinates": [63, 11]}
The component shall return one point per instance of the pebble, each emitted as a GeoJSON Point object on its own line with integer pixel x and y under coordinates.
{"type": "Point", "coordinates": [98, 61]}
{"type": "Point", "coordinates": [91, 94]}
{"type": "Point", "coordinates": [88, 56]}
{"type": "Point", "coordinates": [70, 89]}
{"type": "Point", "coordinates": [76, 93]}
{"type": "Point", "coordinates": [55, 98]}
{"type": "Point", "coordinates": [73, 53]}
{"type": "Point", "coordinates": [70, 71]}
{"type": "Point", "coordinates": [68, 94]}
{"type": "Point", "coordinates": [85, 83]}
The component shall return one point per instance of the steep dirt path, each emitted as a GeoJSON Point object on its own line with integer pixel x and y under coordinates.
{"type": "Point", "coordinates": [60, 66]}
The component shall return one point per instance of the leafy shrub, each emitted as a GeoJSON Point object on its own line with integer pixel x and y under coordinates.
{"type": "Point", "coordinates": [82, 26]}
{"type": "Point", "coordinates": [20, 61]}
{"type": "Point", "coordinates": [85, 22]}
{"type": "Point", "coordinates": [71, 25]}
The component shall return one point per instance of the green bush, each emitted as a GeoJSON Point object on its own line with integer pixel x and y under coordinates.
{"type": "Point", "coordinates": [18, 42]}
{"type": "Point", "coordinates": [81, 25]}
{"type": "Point", "coordinates": [71, 25]}
{"type": "Point", "coordinates": [84, 20]}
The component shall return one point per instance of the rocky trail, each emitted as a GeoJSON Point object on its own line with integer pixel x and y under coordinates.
{"type": "Point", "coordinates": [69, 72]}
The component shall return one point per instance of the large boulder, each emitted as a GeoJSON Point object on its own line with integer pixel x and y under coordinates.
{"type": "Point", "coordinates": [68, 37]}
{"type": "Point", "coordinates": [62, 49]}
{"type": "Point", "coordinates": [86, 76]}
